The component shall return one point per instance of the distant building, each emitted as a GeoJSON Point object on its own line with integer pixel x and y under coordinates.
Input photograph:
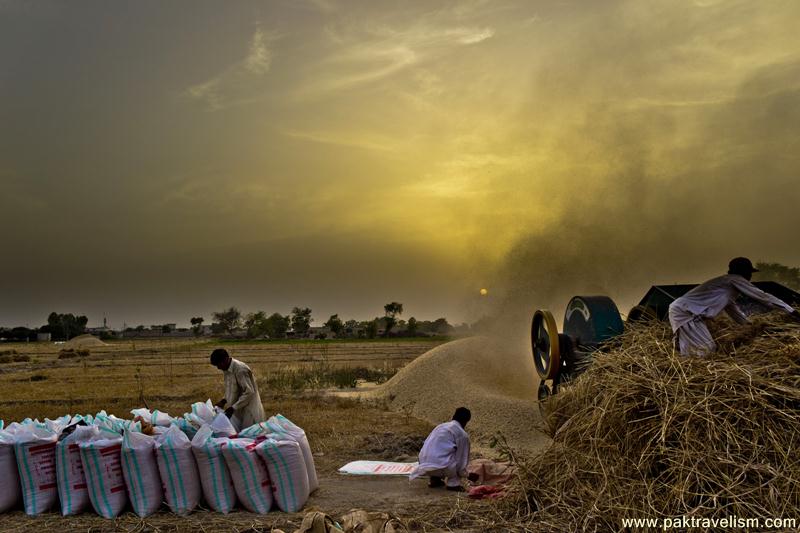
{"type": "Point", "coordinates": [43, 337]}
{"type": "Point", "coordinates": [321, 332]}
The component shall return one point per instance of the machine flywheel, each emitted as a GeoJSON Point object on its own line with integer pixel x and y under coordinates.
{"type": "Point", "coordinates": [545, 345]}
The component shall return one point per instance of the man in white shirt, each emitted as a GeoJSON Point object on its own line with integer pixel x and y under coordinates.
{"type": "Point", "coordinates": [687, 314]}
{"type": "Point", "coordinates": [445, 453]}
{"type": "Point", "coordinates": [243, 402]}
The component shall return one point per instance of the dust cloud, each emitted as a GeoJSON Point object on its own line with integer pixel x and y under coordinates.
{"type": "Point", "coordinates": [648, 183]}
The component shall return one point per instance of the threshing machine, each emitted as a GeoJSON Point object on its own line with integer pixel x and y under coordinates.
{"type": "Point", "coordinates": [591, 321]}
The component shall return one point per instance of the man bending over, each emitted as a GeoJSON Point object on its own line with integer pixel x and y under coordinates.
{"type": "Point", "coordinates": [687, 314]}
{"type": "Point", "coordinates": [241, 391]}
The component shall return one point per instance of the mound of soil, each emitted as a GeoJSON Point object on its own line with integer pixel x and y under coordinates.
{"type": "Point", "coordinates": [497, 383]}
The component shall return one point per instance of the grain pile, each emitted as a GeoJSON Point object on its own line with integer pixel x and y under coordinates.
{"type": "Point", "coordinates": [646, 433]}
{"type": "Point", "coordinates": [83, 341]}
{"type": "Point", "coordinates": [496, 382]}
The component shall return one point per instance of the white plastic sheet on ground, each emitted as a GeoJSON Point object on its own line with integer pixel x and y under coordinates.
{"type": "Point", "coordinates": [140, 469]}
{"type": "Point", "coordinates": [377, 468]}
{"type": "Point", "coordinates": [35, 450]}
{"type": "Point", "coordinates": [10, 493]}
{"type": "Point", "coordinates": [215, 476]}
{"type": "Point", "coordinates": [178, 470]}
{"type": "Point", "coordinates": [73, 492]}
{"type": "Point", "coordinates": [102, 466]}
{"type": "Point", "coordinates": [250, 475]}
{"type": "Point", "coordinates": [287, 473]}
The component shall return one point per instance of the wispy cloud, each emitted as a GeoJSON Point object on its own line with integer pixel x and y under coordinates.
{"type": "Point", "coordinates": [233, 86]}
{"type": "Point", "coordinates": [366, 55]}
{"type": "Point", "coordinates": [365, 141]}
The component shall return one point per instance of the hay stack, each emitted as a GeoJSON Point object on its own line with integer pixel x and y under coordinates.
{"type": "Point", "coordinates": [83, 341]}
{"type": "Point", "coordinates": [496, 382]}
{"type": "Point", "coordinates": [646, 433]}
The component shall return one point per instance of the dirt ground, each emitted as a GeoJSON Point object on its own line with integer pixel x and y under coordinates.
{"type": "Point", "coordinates": [340, 429]}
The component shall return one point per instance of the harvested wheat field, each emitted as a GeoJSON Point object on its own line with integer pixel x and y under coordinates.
{"type": "Point", "coordinates": [644, 433]}
{"type": "Point", "coordinates": [296, 379]}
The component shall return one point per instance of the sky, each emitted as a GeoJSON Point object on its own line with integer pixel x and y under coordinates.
{"type": "Point", "coordinates": [164, 160]}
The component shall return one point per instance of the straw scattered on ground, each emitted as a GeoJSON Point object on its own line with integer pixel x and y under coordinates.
{"type": "Point", "coordinates": [646, 433]}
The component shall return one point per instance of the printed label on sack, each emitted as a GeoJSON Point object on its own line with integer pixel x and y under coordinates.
{"type": "Point", "coordinates": [43, 464]}
{"type": "Point", "coordinates": [75, 463]}
{"type": "Point", "coordinates": [112, 466]}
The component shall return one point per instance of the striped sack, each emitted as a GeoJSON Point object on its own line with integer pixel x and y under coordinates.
{"type": "Point", "coordinates": [10, 493]}
{"type": "Point", "coordinates": [35, 449]}
{"type": "Point", "coordinates": [249, 473]}
{"type": "Point", "coordinates": [140, 470]}
{"type": "Point", "coordinates": [102, 466]}
{"type": "Point", "coordinates": [297, 434]}
{"type": "Point", "coordinates": [178, 471]}
{"type": "Point", "coordinates": [287, 471]}
{"type": "Point", "coordinates": [72, 489]}
{"type": "Point", "coordinates": [215, 477]}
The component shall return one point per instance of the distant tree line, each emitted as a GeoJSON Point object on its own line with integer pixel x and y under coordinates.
{"type": "Point", "coordinates": [231, 321]}
{"type": "Point", "coordinates": [298, 324]}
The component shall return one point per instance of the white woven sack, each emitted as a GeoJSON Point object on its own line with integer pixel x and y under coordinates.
{"type": "Point", "coordinates": [140, 469]}
{"type": "Point", "coordinates": [178, 471]}
{"type": "Point", "coordinates": [204, 411]}
{"type": "Point", "coordinates": [35, 450]}
{"type": "Point", "coordinates": [215, 476]}
{"type": "Point", "coordinates": [156, 417]}
{"type": "Point", "coordinates": [57, 425]}
{"type": "Point", "coordinates": [287, 473]}
{"type": "Point", "coordinates": [72, 489]}
{"type": "Point", "coordinates": [102, 465]}
{"type": "Point", "coordinates": [189, 427]}
{"type": "Point", "coordinates": [249, 473]}
{"type": "Point", "coordinates": [222, 426]}
{"type": "Point", "coordinates": [297, 434]}
{"type": "Point", "coordinates": [10, 492]}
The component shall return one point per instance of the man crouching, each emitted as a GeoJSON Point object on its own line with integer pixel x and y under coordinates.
{"type": "Point", "coordinates": [445, 453]}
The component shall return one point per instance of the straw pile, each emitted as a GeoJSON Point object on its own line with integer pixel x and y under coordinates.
{"type": "Point", "coordinates": [646, 433]}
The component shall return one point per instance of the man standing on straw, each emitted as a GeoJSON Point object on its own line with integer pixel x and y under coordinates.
{"type": "Point", "coordinates": [243, 402]}
{"type": "Point", "coordinates": [687, 314]}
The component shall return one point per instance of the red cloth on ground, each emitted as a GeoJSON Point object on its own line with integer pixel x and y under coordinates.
{"type": "Point", "coordinates": [487, 492]}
